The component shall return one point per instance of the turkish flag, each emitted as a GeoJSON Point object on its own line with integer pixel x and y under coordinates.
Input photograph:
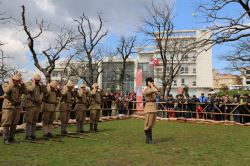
{"type": "Point", "coordinates": [154, 62]}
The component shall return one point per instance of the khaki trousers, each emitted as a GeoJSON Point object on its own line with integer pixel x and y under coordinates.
{"type": "Point", "coordinates": [94, 116]}
{"type": "Point", "coordinates": [150, 119]}
{"type": "Point", "coordinates": [10, 118]}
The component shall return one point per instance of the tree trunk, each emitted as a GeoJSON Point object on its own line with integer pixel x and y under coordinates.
{"type": "Point", "coordinates": [48, 78]}
{"type": "Point", "coordinates": [164, 84]}
{"type": "Point", "coordinates": [169, 89]}
{"type": "Point", "coordinates": [123, 76]}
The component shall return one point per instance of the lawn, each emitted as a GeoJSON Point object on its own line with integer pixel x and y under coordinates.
{"type": "Point", "coordinates": [122, 143]}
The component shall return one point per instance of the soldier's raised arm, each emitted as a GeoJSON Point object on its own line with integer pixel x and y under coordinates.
{"type": "Point", "coordinates": [148, 91]}
{"type": "Point", "coordinates": [7, 86]}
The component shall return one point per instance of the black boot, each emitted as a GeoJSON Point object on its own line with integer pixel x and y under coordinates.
{"type": "Point", "coordinates": [28, 138]}
{"type": "Point", "coordinates": [95, 127]}
{"type": "Point", "coordinates": [81, 127]}
{"type": "Point", "coordinates": [45, 137]}
{"type": "Point", "coordinates": [6, 142]}
{"type": "Point", "coordinates": [12, 140]}
{"type": "Point", "coordinates": [147, 136]}
{"type": "Point", "coordinates": [150, 136]}
{"type": "Point", "coordinates": [91, 127]}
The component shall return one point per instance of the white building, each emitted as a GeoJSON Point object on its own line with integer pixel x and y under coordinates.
{"type": "Point", "coordinates": [196, 68]}
{"type": "Point", "coordinates": [245, 77]}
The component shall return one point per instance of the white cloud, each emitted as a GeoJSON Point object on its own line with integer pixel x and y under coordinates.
{"type": "Point", "coordinates": [46, 5]}
{"type": "Point", "coordinates": [120, 17]}
{"type": "Point", "coordinates": [13, 47]}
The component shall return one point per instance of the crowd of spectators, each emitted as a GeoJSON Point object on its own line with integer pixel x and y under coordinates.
{"type": "Point", "coordinates": [212, 106]}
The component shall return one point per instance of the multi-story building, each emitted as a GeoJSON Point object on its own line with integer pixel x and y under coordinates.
{"type": "Point", "coordinates": [196, 67]}
{"type": "Point", "coordinates": [111, 73]}
{"type": "Point", "coordinates": [195, 71]}
{"type": "Point", "coordinates": [245, 77]}
{"type": "Point", "coordinates": [226, 80]}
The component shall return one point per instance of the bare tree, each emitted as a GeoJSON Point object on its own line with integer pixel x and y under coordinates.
{"type": "Point", "coordinates": [125, 49]}
{"type": "Point", "coordinates": [6, 71]}
{"type": "Point", "coordinates": [3, 19]}
{"type": "Point", "coordinates": [227, 25]}
{"type": "Point", "coordinates": [159, 28]}
{"type": "Point", "coordinates": [178, 53]}
{"type": "Point", "coordinates": [172, 50]}
{"type": "Point", "coordinates": [239, 58]}
{"type": "Point", "coordinates": [89, 53]}
{"type": "Point", "coordinates": [51, 54]}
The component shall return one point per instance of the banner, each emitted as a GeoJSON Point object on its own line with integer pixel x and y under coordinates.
{"type": "Point", "coordinates": [139, 95]}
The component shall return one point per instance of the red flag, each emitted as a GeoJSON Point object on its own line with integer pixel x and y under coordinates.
{"type": "Point", "coordinates": [154, 62]}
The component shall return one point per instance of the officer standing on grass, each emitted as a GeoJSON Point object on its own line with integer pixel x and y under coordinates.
{"type": "Point", "coordinates": [80, 108]}
{"type": "Point", "coordinates": [33, 101]}
{"type": "Point", "coordinates": [95, 99]}
{"type": "Point", "coordinates": [13, 91]}
{"type": "Point", "coordinates": [65, 106]}
{"type": "Point", "coordinates": [50, 102]}
{"type": "Point", "coordinates": [150, 110]}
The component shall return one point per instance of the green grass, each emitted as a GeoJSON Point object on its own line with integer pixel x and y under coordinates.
{"type": "Point", "coordinates": [122, 143]}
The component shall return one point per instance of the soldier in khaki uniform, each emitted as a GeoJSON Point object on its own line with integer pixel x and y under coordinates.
{"type": "Point", "coordinates": [65, 106]}
{"type": "Point", "coordinates": [12, 107]}
{"type": "Point", "coordinates": [95, 99]}
{"type": "Point", "coordinates": [150, 109]}
{"type": "Point", "coordinates": [80, 108]}
{"type": "Point", "coordinates": [33, 101]}
{"type": "Point", "coordinates": [50, 102]}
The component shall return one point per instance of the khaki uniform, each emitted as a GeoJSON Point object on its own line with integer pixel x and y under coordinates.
{"type": "Point", "coordinates": [48, 110]}
{"type": "Point", "coordinates": [32, 104]}
{"type": "Point", "coordinates": [150, 109]}
{"type": "Point", "coordinates": [65, 106]}
{"type": "Point", "coordinates": [11, 109]}
{"type": "Point", "coordinates": [80, 109]}
{"type": "Point", "coordinates": [95, 99]}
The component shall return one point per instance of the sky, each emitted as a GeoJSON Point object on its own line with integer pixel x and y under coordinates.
{"type": "Point", "coordinates": [121, 17]}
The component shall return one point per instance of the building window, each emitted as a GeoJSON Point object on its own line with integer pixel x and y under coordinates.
{"type": "Point", "coordinates": [174, 82]}
{"type": "Point", "coordinates": [194, 70]}
{"type": "Point", "coordinates": [55, 74]}
{"type": "Point", "coordinates": [159, 70]}
{"type": "Point", "coordinates": [248, 81]}
{"type": "Point", "coordinates": [184, 70]}
{"type": "Point", "coordinates": [194, 58]}
{"type": "Point", "coordinates": [185, 58]}
{"type": "Point", "coordinates": [168, 69]}
{"type": "Point", "coordinates": [183, 82]}
{"type": "Point", "coordinates": [248, 72]}
{"type": "Point", "coordinates": [194, 83]}
{"type": "Point", "coordinates": [111, 76]}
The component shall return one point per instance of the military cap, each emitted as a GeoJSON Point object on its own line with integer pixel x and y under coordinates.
{"type": "Point", "coordinates": [36, 77]}
{"type": "Point", "coordinates": [83, 85]}
{"type": "Point", "coordinates": [70, 84]}
{"type": "Point", "coordinates": [95, 85]}
{"type": "Point", "coordinates": [17, 77]}
{"type": "Point", "coordinates": [53, 84]}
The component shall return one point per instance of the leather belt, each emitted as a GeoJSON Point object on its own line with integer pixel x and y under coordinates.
{"type": "Point", "coordinates": [150, 101]}
{"type": "Point", "coordinates": [50, 103]}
